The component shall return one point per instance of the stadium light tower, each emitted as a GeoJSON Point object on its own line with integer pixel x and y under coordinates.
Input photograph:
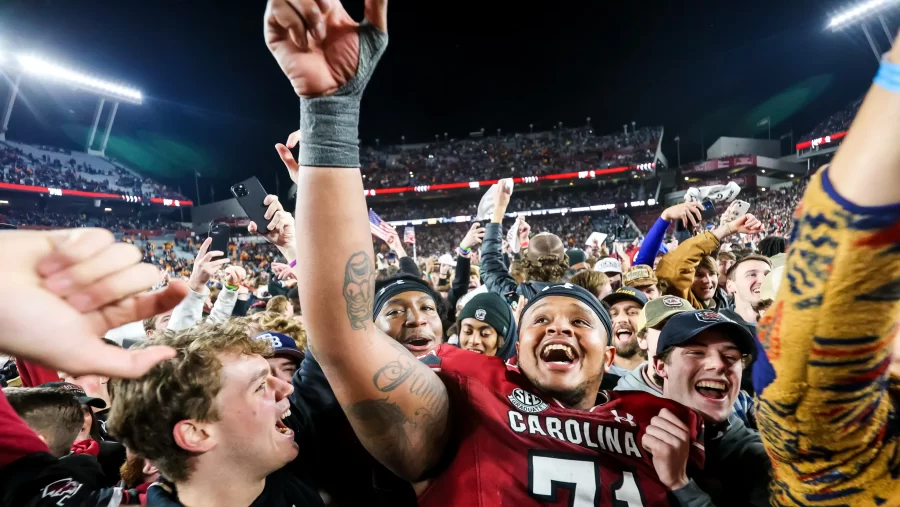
{"type": "Point", "coordinates": [46, 70]}
{"type": "Point", "coordinates": [862, 12]}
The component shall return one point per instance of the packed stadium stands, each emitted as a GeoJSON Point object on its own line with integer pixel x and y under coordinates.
{"type": "Point", "coordinates": [45, 166]}
{"type": "Point", "coordinates": [489, 157]}
{"type": "Point", "coordinates": [838, 122]}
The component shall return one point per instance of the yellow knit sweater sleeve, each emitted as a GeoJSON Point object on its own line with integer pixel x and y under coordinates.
{"type": "Point", "coordinates": [828, 419]}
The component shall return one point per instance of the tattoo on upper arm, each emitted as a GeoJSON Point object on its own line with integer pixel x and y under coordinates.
{"type": "Point", "coordinates": [359, 289]}
{"type": "Point", "coordinates": [386, 428]}
{"type": "Point", "coordinates": [423, 382]}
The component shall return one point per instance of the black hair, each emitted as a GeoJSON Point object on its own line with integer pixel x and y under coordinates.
{"type": "Point", "coordinates": [772, 245]}
{"type": "Point", "coordinates": [55, 414]}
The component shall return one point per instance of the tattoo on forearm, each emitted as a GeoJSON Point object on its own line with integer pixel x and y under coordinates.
{"type": "Point", "coordinates": [359, 287]}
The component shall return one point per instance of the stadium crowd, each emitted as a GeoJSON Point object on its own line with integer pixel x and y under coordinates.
{"type": "Point", "coordinates": [113, 222]}
{"type": "Point", "coordinates": [22, 168]}
{"type": "Point", "coordinates": [838, 122]}
{"type": "Point", "coordinates": [516, 370]}
{"type": "Point", "coordinates": [486, 157]}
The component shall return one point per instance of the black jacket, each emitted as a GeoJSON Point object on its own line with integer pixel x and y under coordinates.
{"type": "Point", "coordinates": [737, 469]}
{"type": "Point", "coordinates": [494, 272]}
{"type": "Point", "coordinates": [42, 480]}
{"type": "Point", "coordinates": [332, 454]}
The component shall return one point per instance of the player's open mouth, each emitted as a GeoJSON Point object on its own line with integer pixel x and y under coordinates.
{"type": "Point", "coordinates": [712, 389]}
{"type": "Point", "coordinates": [558, 355]}
{"type": "Point", "coordinates": [280, 426]}
{"type": "Point", "coordinates": [417, 344]}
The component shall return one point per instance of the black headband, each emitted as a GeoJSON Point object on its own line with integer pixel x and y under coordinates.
{"type": "Point", "coordinates": [576, 292]}
{"type": "Point", "coordinates": [384, 294]}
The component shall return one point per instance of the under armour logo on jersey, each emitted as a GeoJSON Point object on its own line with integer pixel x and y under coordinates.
{"type": "Point", "coordinates": [628, 418]}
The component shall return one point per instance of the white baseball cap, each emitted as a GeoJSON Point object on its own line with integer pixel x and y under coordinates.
{"type": "Point", "coordinates": [448, 260]}
{"type": "Point", "coordinates": [608, 265]}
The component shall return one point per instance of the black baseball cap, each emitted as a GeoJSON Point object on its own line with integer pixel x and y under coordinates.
{"type": "Point", "coordinates": [683, 327]}
{"type": "Point", "coordinates": [626, 293]}
{"type": "Point", "coordinates": [79, 393]}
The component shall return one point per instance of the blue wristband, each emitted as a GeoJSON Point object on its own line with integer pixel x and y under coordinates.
{"type": "Point", "coordinates": [888, 76]}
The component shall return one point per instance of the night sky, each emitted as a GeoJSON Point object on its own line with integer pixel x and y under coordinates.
{"type": "Point", "coordinates": [216, 101]}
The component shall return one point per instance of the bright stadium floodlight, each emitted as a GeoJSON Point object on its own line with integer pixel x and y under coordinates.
{"type": "Point", "coordinates": [43, 68]}
{"type": "Point", "coordinates": [858, 12]}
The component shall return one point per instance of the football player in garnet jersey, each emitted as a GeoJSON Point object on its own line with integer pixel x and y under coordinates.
{"type": "Point", "coordinates": [537, 434]}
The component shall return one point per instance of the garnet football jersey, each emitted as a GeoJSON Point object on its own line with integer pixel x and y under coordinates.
{"type": "Point", "coordinates": [519, 447]}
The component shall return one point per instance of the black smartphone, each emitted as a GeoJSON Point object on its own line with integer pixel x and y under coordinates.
{"type": "Point", "coordinates": [708, 212]}
{"type": "Point", "coordinates": [250, 194]}
{"type": "Point", "coordinates": [709, 209]}
{"type": "Point", "coordinates": [220, 234]}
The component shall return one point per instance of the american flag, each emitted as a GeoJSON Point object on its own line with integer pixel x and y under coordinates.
{"type": "Point", "coordinates": [409, 235]}
{"type": "Point", "coordinates": [380, 229]}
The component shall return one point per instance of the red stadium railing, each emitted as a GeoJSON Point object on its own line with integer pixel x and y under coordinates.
{"type": "Point", "coordinates": [819, 141]}
{"type": "Point", "coordinates": [94, 195]}
{"type": "Point", "coordinates": [519, 179]}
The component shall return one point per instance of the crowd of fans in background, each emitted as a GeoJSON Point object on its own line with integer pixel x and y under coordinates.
{"type": "Point", "coordinates": [838, 122]}
{"type": "Point", "coordinates": [492, 157]}
{"type": "Point", "coordinates": [22, 168]}
{"type": "Point", "coordinates": [747, 359]}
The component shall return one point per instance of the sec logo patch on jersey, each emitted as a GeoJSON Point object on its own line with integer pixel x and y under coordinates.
{"type": "Point", "coordinates": [527, 402]}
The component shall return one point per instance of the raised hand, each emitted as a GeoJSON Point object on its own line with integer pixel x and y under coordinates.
{"type": "Point", "coordinates": [284, 152]}
{"type": "Point", "coordinates": [502, 193]}
{"type": "Point", "coordinates": [205, 267]}
{"type": "Point", "coordinates": [524, 231]}
{"type": "Point", "coordinates": [64, 289]}
{"type": "Point", "coordinates": [283, 271]}
{"type": "Point", "coordinates": [234, 275]}
{"type": "Point", "coordinates": [395, 243]}
{"type": "Point", "coordinates": [668, 440]}
{"type": "Point", "coordinates": [747, 224]}
{"type": "Point", "coordinates": [473, 237]}
{"type": "Point", "coordinates": [281, 224]}
{"type": "Point", "coordinates": [688, 213]}
{"type": "Point", "coordinates": [316, 43]}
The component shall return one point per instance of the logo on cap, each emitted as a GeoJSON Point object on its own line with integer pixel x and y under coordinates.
{"type": "Point", "coordinates": [672, 301]}
{"type": "Point", "coordinates": [637, 274]}
{"type": "Point", "coordinates": [480, 314]}
{"type": "Point", "coordinates": [711, 316]}
{"type": "Point", "coordinates": [527, 402]}
{"type": "Point", "coordinates": [626, 290]}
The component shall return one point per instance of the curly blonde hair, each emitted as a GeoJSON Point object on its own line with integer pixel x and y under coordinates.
{"type": "Point", "coordinates": [278, 304]}
{"type": "Point", "coordinates": [145, 411]}
{"type": "Point", "coordinates": [546, 268]}
{"type": "Point", "coordinates": [271, 321]}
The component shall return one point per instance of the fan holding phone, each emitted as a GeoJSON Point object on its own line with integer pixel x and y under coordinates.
{"type": "Point", "coordinates": [277, 225]}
